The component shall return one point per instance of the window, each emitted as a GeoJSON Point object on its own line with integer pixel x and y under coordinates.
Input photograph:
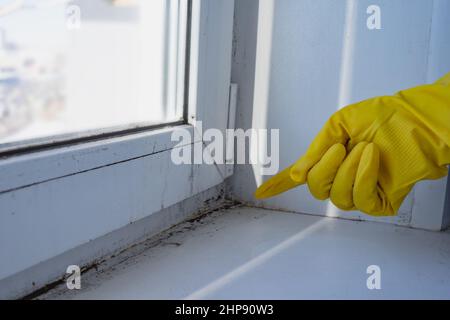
{"type": "Point", "coordinates": [86, 190]}
{"type": "Point", "coordinates": [83, 68]}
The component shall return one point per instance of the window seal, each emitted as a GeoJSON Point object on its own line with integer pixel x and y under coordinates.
{"type": "Point", "coordinates": [85, 137]}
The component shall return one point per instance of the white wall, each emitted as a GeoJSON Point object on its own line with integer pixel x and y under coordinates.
{"type": "Point", "coordinates": [429, 197]}
{"type": "Point", "coordinates": [315, 56]}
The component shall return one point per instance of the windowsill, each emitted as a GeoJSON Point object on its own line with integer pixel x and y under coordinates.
{"type": "Point", "coordinates": [251, 253]}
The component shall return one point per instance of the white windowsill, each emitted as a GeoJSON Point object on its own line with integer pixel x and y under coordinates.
{"type": "Point", "coordinates": [250, 253]}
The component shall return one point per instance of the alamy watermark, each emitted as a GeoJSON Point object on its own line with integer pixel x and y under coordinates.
{"type": "Point", "coordinates": [374, 20]}
{"type": "Point", "coordinates": [374, 280]}
{"type": "Point", "coordinates": [73, 280]}
{"type": "Point", "coordinates": [234, 146]}
{"type": "Point", "coordinates": [73, 17]}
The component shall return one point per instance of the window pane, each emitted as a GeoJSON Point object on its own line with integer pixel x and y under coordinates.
{"type": "Point", "coordinates": [76, 66]}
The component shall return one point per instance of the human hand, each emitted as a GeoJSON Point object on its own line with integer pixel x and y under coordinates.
{"type": "Point", "coordinates": [369, 155]}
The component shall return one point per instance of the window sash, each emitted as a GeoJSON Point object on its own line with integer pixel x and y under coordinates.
{"type": "Point", "coordinates": [179, 74]}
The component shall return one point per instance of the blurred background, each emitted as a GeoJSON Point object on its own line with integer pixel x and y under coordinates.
{"type": "Point", "coordinates": [72, 66]}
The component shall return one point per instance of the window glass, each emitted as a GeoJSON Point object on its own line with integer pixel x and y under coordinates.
{"type": "Point", "coordinates": [73, 67]}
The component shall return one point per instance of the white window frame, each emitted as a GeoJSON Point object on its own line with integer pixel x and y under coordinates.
{"type": "Point", "coordinates": [57, 199]}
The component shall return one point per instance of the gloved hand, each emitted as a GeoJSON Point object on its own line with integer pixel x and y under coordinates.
{"type": "Point", "coordinates": [369, 155]}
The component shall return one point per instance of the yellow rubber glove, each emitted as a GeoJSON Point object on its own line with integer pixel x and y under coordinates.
{"type": "Point", "coordinates": [370, 154]}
